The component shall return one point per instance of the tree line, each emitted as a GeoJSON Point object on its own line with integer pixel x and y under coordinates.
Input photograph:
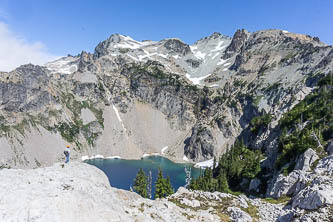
{"type": "Point", "coordinates": [233, 166]}
{"type": "Point", "coordinates": [142, 185]}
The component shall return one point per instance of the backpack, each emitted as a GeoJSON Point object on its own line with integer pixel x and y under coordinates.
{"type": "Point", "coordinates": [66, 153]}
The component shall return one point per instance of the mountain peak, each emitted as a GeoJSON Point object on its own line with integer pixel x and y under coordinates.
{"type": "Point", "coordinates": [213, 36]}
{"type": "Point", "coordinates": [177, 46]}
{"type": "Point", "coordinates": [239, 38]}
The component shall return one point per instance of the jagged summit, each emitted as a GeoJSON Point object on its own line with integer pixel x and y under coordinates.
{"type": "Point", "coordinates": [177, 46]}
{"type": "Point", "coordinates": [214, 35]}
{"type": "Point", "coordinates": [209, 58]}
{"type": "Point", "coordinates": [286, 36]}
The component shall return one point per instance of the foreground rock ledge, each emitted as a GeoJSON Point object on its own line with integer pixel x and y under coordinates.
{"type": "Point", "coordinates": [81, 192]}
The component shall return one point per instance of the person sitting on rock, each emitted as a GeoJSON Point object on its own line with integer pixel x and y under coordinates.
{"type": "Point", "coordinates": [66, 152]}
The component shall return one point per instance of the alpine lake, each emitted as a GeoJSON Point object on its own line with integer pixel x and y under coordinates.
{"type": "Point", "coordinates": [121, 172]}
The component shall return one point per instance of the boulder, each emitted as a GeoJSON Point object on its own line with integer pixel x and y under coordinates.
{"type": "Point", "coordinates": [325, 166]}
{"type": "Point", "coordinates": [289, 185]}
{"type": "Point", "coordinates": [254, 185]}
{"type": "Point", "coordinates": [329, 148]}
{"type": "Point", "coordinates": [305, 160]}
{"type": "Point", "coordinates": [318, 194]}
{"type": "Point", "coordinates": [238, 215]}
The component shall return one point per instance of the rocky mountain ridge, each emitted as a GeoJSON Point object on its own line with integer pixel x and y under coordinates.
{"type": "Point", "coordinates": [200, 97]}
{"type": "Point", "coordinates": [270, 89]}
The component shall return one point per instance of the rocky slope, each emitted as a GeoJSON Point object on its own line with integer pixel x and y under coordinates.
{"type": "Point", "coordinates": [129, 97]}
{"type": "Point", "coordinates": [80, 192]}
{"type": "Point", "coordinates": [271, 89]}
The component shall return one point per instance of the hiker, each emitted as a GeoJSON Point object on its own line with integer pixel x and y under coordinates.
{"type": "Point", "coordinates": [66, 152]}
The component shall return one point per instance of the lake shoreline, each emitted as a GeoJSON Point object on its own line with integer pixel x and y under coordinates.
{"type": "Point", "coordinates": [121, 172]}
{"type": "Point", "coordinates": [203, 164]}
{"type": "Point", "coordinates": [99, 156]}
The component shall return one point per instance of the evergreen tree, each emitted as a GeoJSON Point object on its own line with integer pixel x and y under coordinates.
{"type": "Point", "coordinates": [222, 183]}
{"type": "Point", "coordinates": [214, 165]}
{"type": "Point", "coordinates": [163, 187]}
{"type": "Point", "coordinates": [140, 183]}
{"type": "Point", "coordinates": [160, 190]}
{"type": "Point", "coordinates": [169, 188]}
{"type": "Point", "coordinates": [237, 163]}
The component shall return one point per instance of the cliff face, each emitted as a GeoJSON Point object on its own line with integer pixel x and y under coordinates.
{"type": "Point", "coordinates": [129, 97]}
{"type": "Point", "coordinates": [80, 192]}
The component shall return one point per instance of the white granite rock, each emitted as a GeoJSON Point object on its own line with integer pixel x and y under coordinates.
{"type": "Point", "coordinates": [238, 215]}
{"type": "Point", "coordinates": [291, 184]}
{"type": "Point", "coordinates": [80, 192]}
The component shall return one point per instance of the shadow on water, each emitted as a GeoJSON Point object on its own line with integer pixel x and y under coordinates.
{"type": "Point", "coordinates": [121, 173]}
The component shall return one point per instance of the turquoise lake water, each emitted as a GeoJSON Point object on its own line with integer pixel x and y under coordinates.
{"type": "Point", "coordinates": [121, 173]}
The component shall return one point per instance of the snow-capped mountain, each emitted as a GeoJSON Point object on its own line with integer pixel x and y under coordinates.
{"type": "Point", "coordinates": [130, 98]}
{"type": "Point", "coordinates": [271, 90]}
{"type": "Point", "coordinates": [196, 62]}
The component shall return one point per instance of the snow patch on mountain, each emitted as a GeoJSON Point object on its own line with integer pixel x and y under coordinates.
{"type": "Point", "coordinates": [196, 80]}
{"type": "Point", "coordinates": [118, 116]}
{"type": "Point", "coordinates": [113, 157]}
{"type": "Point", "coordinates": [219, 46]}
{"type": "Point", "coordinates": [205, 164]}
{"type": "Point", "coordinates": [200, 55]}
{"type": "Point", "coordinates": [65, 65]}
{"type": "Point", "coordinates": [164, 149]}
{"type": "Point", "coordinates": [213, 57]}
{"type": "Point", "coordinates": [222, 62]}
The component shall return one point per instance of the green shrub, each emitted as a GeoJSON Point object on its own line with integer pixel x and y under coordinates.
{"type": "Point", "coordinates": [260, 122]}
{"type": "Point", "coordinates": [68, 131]}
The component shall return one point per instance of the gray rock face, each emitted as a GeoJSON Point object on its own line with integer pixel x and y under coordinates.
{"type": "Point", "coordinates": [329, 148]}
{"type": "Point", "coordinates": [25, 89]}
{"type": "Point", "coordinates": [200, 146]}
{"type": "Point", "coordinates": [254, 184]}
{"type": "Point", "coordinates": [193, 63]}
{"type": "Point", "coordinates": [318, 194]}
{"type": "Point", "coordinates": [289, 185]}
{"type": "Point", "coordinates": [305, 160]}
{"type": "Point", "coordinates": [177, 46]}
{"type": "Point", "coordinates": [238, 40]}
{"type": "Point", "coordinates": [103, 48]}
{"type": "Point", "coordinates": [325, 166]}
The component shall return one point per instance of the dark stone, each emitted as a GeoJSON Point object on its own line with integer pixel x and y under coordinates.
{"type": "Point", "coordinates": [193, 63]}
{"type": "Point", "coordinates": [177, 46]}
{"type": "Point", "coordinates": [238, 40]}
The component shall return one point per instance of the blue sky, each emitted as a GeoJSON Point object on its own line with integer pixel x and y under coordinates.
{"type": "Point", "coordinates": [63, 27]}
